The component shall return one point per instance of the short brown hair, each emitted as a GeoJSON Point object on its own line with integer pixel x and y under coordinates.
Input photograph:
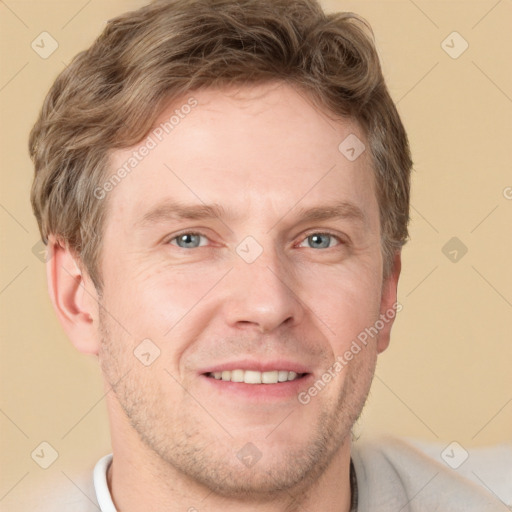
{"type": "Point", "coordinates": [112, 93]}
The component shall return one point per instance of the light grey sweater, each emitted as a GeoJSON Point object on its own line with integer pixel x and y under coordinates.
{"type": "Point", "coordinates": [393, 476]}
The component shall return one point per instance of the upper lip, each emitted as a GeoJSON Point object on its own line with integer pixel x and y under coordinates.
{"type": "Point", "coordinates": [258, 365]}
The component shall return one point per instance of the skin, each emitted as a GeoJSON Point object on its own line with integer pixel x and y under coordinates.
{"type": "Point", "coordinates": [264, 153]}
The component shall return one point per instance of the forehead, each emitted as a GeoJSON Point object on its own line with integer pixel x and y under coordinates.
{"type": "Point", "coordinates": [262, 149]}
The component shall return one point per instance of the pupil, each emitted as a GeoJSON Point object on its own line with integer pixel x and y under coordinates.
{"type": "Point", "coordinates": [188, 239]}
{"type": "Point", "coordinates": [320, 240]}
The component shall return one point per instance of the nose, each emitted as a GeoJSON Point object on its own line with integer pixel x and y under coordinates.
{"type": "Point", "coordinates": [262, 295]}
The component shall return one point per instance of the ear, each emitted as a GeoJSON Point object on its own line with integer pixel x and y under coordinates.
{"type": "Point", "coordinates": [389, 306]}
{"type": "Point", "coordinates": [73, 296]}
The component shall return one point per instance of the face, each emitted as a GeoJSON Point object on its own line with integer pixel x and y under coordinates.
{"type": "Point", "coordinates": [243, 247]}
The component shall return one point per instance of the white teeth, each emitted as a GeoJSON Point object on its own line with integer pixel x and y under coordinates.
{"type": "Point", "coordinates": [237, 376]}
{"type": "Point", "coordinates": [270, 377]}
{"type": "Point", "coordinates": [255, 377]}
{"type": "Point", "coordinates": [283, 376]}
{"type": "Point", "coordinates": [251, 377]}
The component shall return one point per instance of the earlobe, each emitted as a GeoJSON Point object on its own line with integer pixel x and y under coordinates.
{"type": "Point", "coordinates": [389, 306]}
{"type": "Point", "coordinates": [73, 296]}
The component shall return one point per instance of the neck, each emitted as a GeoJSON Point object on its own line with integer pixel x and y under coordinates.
{"type": "Point", "coordinates": [135, 486]}
{"type": "Point", "coordinates": [138, 479]}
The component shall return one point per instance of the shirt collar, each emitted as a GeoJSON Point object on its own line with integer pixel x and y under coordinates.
{"type": "Point", "coordinates": [107, 505]}
{"type": "Point", "coordinates": [101, 486]}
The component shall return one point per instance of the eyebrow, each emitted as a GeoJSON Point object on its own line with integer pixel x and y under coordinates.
{"type": "Point", "coordinates": [175, 210]}
{"type": "Point", "coordinates": [340, 210]}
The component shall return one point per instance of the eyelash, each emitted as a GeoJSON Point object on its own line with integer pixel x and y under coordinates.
{"type": "Point", "coordinates": [340, 240]}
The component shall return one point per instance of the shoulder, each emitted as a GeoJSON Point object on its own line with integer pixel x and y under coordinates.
{"type": "Point", "coordinates": [394, 475]}
{"type": "Point", "coordinates": [63, 491]}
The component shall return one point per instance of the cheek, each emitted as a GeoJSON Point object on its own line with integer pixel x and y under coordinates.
{"type": "Point", "coordinates": [170, 307]}
{"type": "Point", "coordinates": [346, 301]}
{"type": "Point", "coordinates": [158, 297]}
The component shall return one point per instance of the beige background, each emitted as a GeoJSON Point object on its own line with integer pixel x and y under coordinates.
{"type": "Point", "coordinates": [446, 375]}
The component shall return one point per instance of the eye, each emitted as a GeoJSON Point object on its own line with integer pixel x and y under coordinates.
{"type": "Point", "coordinates": [320, 241]}
{"type": "Point", "coordinates": [189, 240]}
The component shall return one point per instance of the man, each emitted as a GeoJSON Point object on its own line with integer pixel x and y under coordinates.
{"type": "Point", "coordinates": [224, 190]}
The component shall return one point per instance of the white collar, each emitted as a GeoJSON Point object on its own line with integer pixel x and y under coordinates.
{"type": "Point", "coordinates": [101, 486]}
{"type": "Point", "coordinates": [105, 499]}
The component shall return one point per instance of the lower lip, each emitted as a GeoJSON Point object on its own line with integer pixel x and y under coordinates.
{"type": "Point", "coordinates": [260, 392]}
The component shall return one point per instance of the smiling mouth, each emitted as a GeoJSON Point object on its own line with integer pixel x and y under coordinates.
{"type": "Point", "coordinates": [256, 377]}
